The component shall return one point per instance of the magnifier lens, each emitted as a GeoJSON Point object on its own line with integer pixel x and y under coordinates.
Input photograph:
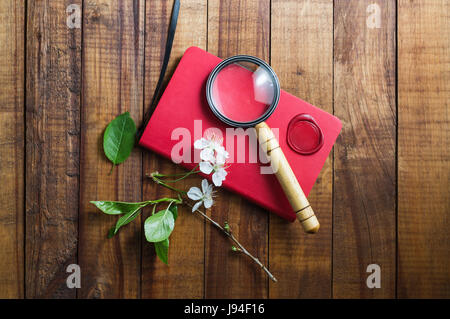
{"type": "Point", "coordinates": [243, 91]}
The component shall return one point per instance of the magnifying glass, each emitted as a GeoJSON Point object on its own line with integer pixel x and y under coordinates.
{"type": "Point", "coordinates": [243, 91]}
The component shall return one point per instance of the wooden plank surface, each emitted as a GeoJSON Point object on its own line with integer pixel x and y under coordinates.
{"type": "Point", "coordinates": [364, 167]}
{"type": "Point", "coordinates": [66, 84]}
{"type": "Point", "coordinates": [424, 149]}
{"type": "Point", "coordinates": [237, 27]}
{"type": "Point", "coordinates": [302, 57]}
{"type": "Point", "coordinates": [12, 34]}
{"type": "Point", "coordinates": [183, 277]}
{"type": "Point", "coordinates": [52, 148]}
{"type": "Point", "coordinates": [113, 62]}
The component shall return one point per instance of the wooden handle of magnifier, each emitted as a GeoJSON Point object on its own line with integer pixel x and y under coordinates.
{"type": "Point", "coordinates": [287, 179]}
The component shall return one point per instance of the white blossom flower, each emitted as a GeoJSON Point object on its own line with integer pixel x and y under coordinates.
{"type": "Point", "coordinates": [218, 167]}
{"type": "Point", "coordinates": [213, 157]}
{"type": "Point", "coordinates": [219, 176]}
{"type": "Point", "coordinates": [211, 147]}
{"type": "Point", "coordinates": [203, 196]}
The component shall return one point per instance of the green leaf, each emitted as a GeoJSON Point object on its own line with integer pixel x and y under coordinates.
{"type": "Point", "coordinates": [174, 209]}
{"type": "Point", "coordinates": [111, 232]}
{"type": "Point", "coordinates": [131, 211]}
{"type": "Point", "coordinates": [119, 138]}
{"type": "Point", "coordinates": [162, 250]}
{"type": "Point", "coordinates": [125, 219]}
{"type": "Point", "coordinates": [117, 208]}
{"type": "Point", "coordinates": [159, 226]}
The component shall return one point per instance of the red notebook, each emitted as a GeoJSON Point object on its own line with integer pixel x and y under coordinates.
{"type": "Point", "coordinates": [184, 105]}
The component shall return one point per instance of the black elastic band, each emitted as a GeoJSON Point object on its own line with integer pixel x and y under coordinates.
{"type": "Point", "coordinates": [270, 151]}
{"type": "Point", "coordinates": [302, 209]}
{"type": "Point", "coordinates": [156, 94]}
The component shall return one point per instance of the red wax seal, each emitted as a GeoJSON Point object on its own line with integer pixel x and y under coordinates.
{"type": "Point", "coordinates": [304, 135]}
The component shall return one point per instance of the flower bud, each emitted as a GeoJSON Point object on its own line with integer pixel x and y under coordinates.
{"type": "Point", "coordinates": [227, 228]}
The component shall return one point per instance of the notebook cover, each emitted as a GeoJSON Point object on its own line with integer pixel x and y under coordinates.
{"type": "Point", "coordinates": [184, 101]}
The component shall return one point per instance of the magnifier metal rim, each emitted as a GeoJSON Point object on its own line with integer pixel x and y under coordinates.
{"type": "Point", "coordinates": [242, 58]}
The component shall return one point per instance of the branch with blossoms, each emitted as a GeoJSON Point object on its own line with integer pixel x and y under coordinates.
{"type": "Point", "coordinates": [159, 226]}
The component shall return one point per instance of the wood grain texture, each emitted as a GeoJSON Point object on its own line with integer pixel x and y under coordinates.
{"type": "Point", "coordinates": [113, 62]}
{"type": "Point", "coordinates": [52, 148]}
{"type": "Point", "coordinates": [183, 277]}
{"type": "Point", "coordinates": [65, 85]}
{"type": "Point", "coordinates": [12, 33]}
{"type": "Point", "coordinates": [302, 57]}
{"type": "Point", "coordinates": [424, 149]}
{"type": "Point", "coordinates": [364, 167]}
{"type": "Point", "coordinates": [237, 27]}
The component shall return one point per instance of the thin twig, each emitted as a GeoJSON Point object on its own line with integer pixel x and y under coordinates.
{"type": "Point", "coordinates": [228, 233]}
{"type": "Point", "coordinates": [183, 175]}
{"type": "Point", "coordinates": [160, 182]}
